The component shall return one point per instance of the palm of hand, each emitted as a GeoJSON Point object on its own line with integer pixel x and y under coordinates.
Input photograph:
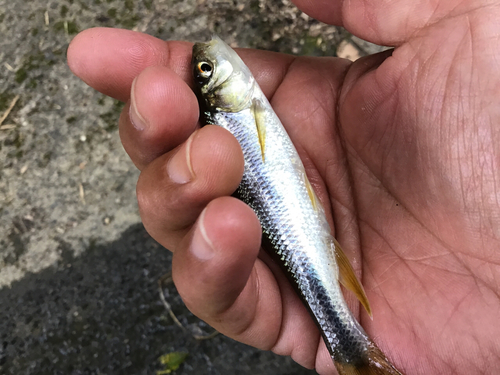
{"type": "Point", "coordinates": [412, 181]}
{"type": "Point", "coordinates": [403, 152]}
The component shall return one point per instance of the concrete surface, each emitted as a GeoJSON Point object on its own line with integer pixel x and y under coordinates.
{"type": "Point", "coordinates": [78, 272]}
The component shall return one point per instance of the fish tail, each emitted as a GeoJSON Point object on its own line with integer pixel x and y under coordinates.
{"type": "Point", "coordinates": [376, 363]}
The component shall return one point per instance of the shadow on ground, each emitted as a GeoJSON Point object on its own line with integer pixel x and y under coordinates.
{"type": "Point", "coordinates": [100, 313]}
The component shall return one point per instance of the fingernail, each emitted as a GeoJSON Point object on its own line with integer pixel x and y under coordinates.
{"type": "Point", "coordinates": [179, 167]}
{"type": "Point", "coordinates": [135, 117]}
{"type": "Point", "coordinates": [201, 245]}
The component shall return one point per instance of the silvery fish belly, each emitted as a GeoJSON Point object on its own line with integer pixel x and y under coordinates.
{"type": "Point", "coordinates": [275, 186]}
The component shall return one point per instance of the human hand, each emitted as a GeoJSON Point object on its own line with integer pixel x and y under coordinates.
{"type": "Point", "coordinates": [402, 149]}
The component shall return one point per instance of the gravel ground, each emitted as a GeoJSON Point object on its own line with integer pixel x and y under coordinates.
{"type": "Point", "coordinates": [78, 272]}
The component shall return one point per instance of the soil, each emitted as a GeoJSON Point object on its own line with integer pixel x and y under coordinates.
{"type": "Point", "coordinates": [78, 272]}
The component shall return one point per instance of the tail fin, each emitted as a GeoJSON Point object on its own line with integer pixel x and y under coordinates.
{"type": "Point", "coordinates": [376, 364]}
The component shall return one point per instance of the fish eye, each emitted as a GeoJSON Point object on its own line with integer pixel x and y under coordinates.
{"type": "Point", "coordinates": [204, 69]}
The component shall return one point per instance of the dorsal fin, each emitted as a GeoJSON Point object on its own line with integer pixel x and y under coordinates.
{"type": "Point", "coordinates": [348, 278]}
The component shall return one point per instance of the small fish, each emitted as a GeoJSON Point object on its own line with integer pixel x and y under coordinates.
{"type": "Point", "coordinates": [275, 185]}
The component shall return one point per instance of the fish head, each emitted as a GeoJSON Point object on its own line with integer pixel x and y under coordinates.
{"type": "Point", "coordinates": [224, 81]}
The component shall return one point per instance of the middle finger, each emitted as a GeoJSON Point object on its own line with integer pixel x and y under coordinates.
{"type": "Point", "coordinates": [161, 114]}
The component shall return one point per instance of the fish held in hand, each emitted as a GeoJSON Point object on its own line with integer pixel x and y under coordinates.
{"type": "Point", "coordinates": [275, 185]}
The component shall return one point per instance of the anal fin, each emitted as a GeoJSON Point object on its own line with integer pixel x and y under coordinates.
{"type": "Point", "coordinates": [348, 278]}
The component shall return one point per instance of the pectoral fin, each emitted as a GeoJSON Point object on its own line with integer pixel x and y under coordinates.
{"type": "Point", "coordinates": [348, 278]}
{"type": "Point", "coordinates": [310, 192]}
{"type": "Point", "coordinates": [260, 122]}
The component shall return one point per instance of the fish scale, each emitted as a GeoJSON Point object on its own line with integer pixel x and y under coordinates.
{"type": "Point", "coordinates": [294, 226]}
{"type": "Point", "coordinates": [296, 231]}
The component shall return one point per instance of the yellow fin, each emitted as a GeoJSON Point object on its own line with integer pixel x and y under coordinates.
{"type": "Point", "coordinates": [258, 114]}
{"type": "Point", "coordinates": [376, 363]}
{"type": "Point", "coordinates": [312, 196]}
{"type": "Point", "coordinates": [348, 278]}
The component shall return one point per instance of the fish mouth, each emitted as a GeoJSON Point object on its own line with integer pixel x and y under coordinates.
{"type": "Point", "coordinates": [229, 73]}
{"type": "Point", "coordinates": [218, 54]}
{"type": "Point", "coordinates": [199, 48]}
{"type": "Point", "coordinates": [203, 50]}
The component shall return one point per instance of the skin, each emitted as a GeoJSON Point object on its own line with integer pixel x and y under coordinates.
{"type": "Point", "coordinates": [403, 149]}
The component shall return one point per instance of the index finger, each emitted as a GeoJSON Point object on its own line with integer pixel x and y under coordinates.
{"type": "Point", "coordinates": [109, 59]}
